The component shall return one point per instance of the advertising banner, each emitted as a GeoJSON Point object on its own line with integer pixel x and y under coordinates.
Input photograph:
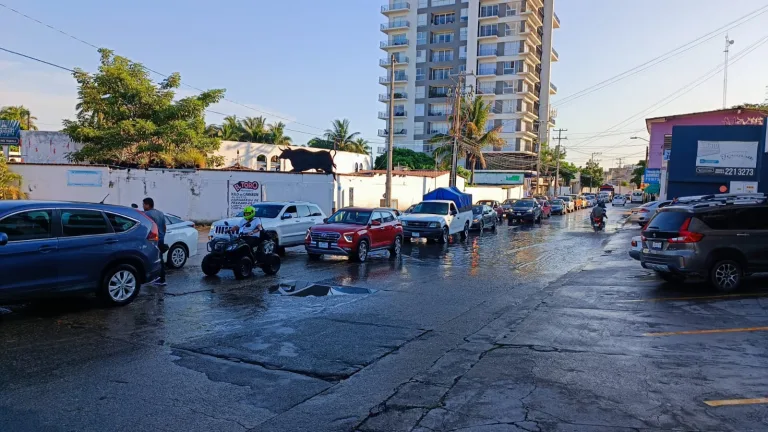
{"type": "Point", "coordinates": [498, 178]}
{"type": "Point", "coordinates": [10, 132]}
{"type": "Point", "coordinates": [242, 194]}
{"type": "Point", "coordinates": [652, 176]}
{"type": "Point", "coordinates": [726, 158]}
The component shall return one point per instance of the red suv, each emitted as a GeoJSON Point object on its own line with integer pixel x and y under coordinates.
{"type": "Point", "coordinates": [355, 232]}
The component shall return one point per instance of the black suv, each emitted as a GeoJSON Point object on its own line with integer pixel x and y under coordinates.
{"type": "Point", "coordinates": [720, 238]}
{"type": "Point", "coordinates": [525, 210]}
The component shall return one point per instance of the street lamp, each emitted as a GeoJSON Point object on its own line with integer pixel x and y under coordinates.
{"type": "Point", "coordinates": [641, 138]}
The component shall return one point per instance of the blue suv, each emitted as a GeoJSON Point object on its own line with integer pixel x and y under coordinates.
{"type": "Point", "coordinates": [56, 248]}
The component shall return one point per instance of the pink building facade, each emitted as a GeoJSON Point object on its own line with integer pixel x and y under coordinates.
{"type": "Point", "coordinates": [660, 127]}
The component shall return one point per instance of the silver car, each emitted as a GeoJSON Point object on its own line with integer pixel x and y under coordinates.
{"type": "Point", "coordinates": [641, 215]}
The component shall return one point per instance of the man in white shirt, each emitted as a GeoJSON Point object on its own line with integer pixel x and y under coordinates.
{"type": "Point", "coordinates": [251, 227]}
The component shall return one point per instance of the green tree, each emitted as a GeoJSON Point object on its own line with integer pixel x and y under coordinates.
{"type": "Point", "coordinates": [20, 113]}
{"type": "Point", "coordinates": [340, 134]}
{"type": "Point", "coordinates": [213, 131]}
{"type": "Point", "coordinates": [638, 173]}
{"type": "Point", "coordinates": [407, 158]}
{"type": "Point", "coordinates": [360, 145]}
{"type": "Point", "coordinates": [10, 183]}
{"type": "Point", "coordinates": [276, 134]}
{"type": "Point", "coordinates": [568, 172]}
{"type": "Point", "coordinates": [473, 136]}
{"type": "Point", "coordinates": [139, 124]}
{"type": "Point", "coordinates": [230, 132]}
{"type": "Point", "coordinates": [252, 129]}
{"type": "Point", "coordinates": [592, 174]}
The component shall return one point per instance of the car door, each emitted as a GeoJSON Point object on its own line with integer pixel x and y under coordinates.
{"type": "Point", "coordinates": [291, 227]}
{"type": "Point", "coordinates": [489, 215]}
{"type": "Point", "coordinates": [456, 222]}
{"type": "Point", "coordinates": [316, 214]}
{"type": "Point", "coordinates": [377, 232]}
{"type": "Point", "coordinates": [29, 261]}
{"type": "Point", "coordinates": [752, 235]}
{"type": "Point", "coordinates": [86, 242]}
{"type": "Point", "coordinates": [305, 219]}
{"type": "Point", "coordinates": [390, 221]}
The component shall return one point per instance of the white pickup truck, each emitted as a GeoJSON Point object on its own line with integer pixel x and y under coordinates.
{"type": "Point", "coordinates": [436, 220]}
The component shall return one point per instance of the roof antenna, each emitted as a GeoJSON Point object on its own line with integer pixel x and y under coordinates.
{"type": "Point", "coordinates": [105, 198]}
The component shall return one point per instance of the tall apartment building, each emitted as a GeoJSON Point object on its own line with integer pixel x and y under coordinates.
{"type": "Point", "coordinates": [505, 47]}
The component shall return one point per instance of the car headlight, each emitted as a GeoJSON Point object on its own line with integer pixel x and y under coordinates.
{"type": "Point", "coordinates": [530, 211]}
{"type": "Point", "coordinates": [475, 220]}
{"type": "Point", "coordinates": [434, 225]}
{"type": "Point", "coordinates": [348, 237]}
{"type": "Point", "coordinates": [405, 223]}
{"type": "Point", "coordinates": [231, 247]}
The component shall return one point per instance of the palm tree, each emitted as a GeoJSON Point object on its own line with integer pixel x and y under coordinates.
{"type": "Point", "coordinates": [360, 145]}
{"type": "Point", "coordinates": [20, 113]}
{"type": "Point", "coordinates": [277, 135]}
{"type": "Point", "coordinates": [253, 129]}
{"type": "Point", "coordinates": [473, 137]}
{"type": "Point", "coordinates": [213, 131]}
{"type": "Point", "coordinates": [230, 132]}
{"type": "Point", "coordinates": [339, 134]}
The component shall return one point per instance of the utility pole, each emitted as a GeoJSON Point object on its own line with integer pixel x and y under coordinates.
{"type": "Point", "coordinates": [557, 158]}
{"type": "Point", "coordinates": [728, 43]}
{"type": "Point", "coordinates": [592, 178]}
{"type": "Point", "coordinates": [458, 93]}
{"type": "Point", "coordinates": [390, 144]}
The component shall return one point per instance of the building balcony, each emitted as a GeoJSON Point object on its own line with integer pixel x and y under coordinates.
{"type": "Point", "coordinates": [395, 7]}
{"type": "Point", "coordinates": [485, 35]}
{"type": "Point", "coordinates": [438, 94]}
{"type": "Point", "coordinates": [394, 43]}
{"type": "Point", "coordinates": [552, 89]}
{"type": "Point", "coordinates": [489, 17]}
{"type": "Point", "coordinates": [395, 25]}
{"type": "Point", "coordinates": [555, 55]}
{"type": "Point", "coordinates": [398, 78]}
{"type": "Point", "coordinates": [433, 113]}
{"type": "Point", "coordinates": [399, 60]}
{"type": "Point", "coordinates": [398, 96]}
{"type": "Point", "coordinates": [486, 91]}
{"type": "Point", "coordinates": [556, 21]}
{"type": "Point", "coordinates": [398, 132]}
{"type": "Point", "coordinates": [486, 72]}
{"type": "Point", "coordinates": [384, 115]}
{"type": "Point", "coordinates": [488, 52]}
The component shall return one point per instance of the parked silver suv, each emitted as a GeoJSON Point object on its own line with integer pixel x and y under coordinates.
{"type": "Point", "coordinates": [720, 238]}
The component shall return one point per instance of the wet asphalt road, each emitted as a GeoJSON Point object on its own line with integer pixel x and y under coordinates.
{"type": "Point", "coordinates": [530, 328]}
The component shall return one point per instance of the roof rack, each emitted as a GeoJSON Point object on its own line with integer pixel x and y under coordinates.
{"type": "Point", "coordinates": [722, 199]}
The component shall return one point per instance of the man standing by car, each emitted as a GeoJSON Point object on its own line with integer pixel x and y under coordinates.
{"type": "Point", "coordinates": [159, 218]}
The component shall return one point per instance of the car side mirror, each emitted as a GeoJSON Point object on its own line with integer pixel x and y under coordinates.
{"type": "Point", "coordinates": [325, 220]}
{"type": "Point", "coordinates": [375, 223]}
{"type": "Point", "coordinates": [134, 206]}
{"type": "Point", "coordinates": [3, 239]}
{"type": "Point", "coordinates": [454, 212]}
{"type": "Point", "coordinates": [287, 216]}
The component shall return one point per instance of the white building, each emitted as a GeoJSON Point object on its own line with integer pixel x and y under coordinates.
{"type": "Point", "coordinates": [505, 47]}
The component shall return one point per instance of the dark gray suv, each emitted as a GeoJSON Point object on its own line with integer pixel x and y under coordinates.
{"type": "Point", "coordinates": [720, 238]}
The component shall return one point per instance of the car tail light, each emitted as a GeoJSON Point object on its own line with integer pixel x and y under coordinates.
{"type": "Point", "coordinates": [634, 243]}
{"type": "Point", "coordinates": [153, 233]}
{"type": "Point", "coordinates": [642, 210]}
{"type": "Point", "coordinates": [685, 236]}
{"type": "Point", "coordinates": [308, 236]}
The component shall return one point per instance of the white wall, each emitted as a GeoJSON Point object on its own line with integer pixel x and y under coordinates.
{"type": "Point", "coordinates": [198, 195]}
{"type": "Point", "coordinates": [249, 152]}
{"type": "Point", "coordinates": [368, 190]}
{"type": "Point", "coordinates": [494, 193]}
{"type": "Point", "coordinates": [46, 147]}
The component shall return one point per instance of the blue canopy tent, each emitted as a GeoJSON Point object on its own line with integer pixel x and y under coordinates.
{"type": "Point", "coordinates": [463, 201]}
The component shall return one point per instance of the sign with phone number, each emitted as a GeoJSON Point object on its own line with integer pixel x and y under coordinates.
{"type": "Point", "coordinates": [733, 172]}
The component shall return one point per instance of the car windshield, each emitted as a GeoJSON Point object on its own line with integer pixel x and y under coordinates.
{"type": "Point", "coordinates": [557, 202]}
{"type": "Point", "coordinates": [355, 217]}
{"type": "Point", "coordinates": [524, 204]}
{"type": "Point", "coordinates": [565, 198]}
{"type": "Point", "coordinates": [477, 210]}
{"type": "Point", "coordinates": [488, 203]}
{"type": "Point", "coordinates": [434, 208]}
{"type": "Point", "coordinates": [265, 211]}
{"type": "Point", "coordinates": [510, 201]}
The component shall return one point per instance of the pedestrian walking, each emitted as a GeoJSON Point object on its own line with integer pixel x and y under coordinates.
{"type": "Point", "coordinates": [159, 218]}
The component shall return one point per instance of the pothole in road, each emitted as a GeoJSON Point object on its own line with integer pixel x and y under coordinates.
{"type": "Point", "coordinates": [312, 289]}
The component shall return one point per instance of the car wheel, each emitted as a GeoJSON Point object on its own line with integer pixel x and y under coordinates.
{"type": "Point", "coordinates": [726, 275]}
{"type": "Point", "coordinates": [177, 256]}
{"type": "Point", "coordinates": [209, 267]}
{"type": "Point", "coordinates": [465, 234]}
{"type": "Point", "coordinates": [120, 285]}
{"type": "Point", "coordinates": [493, 228]}
{"type": "Point", "coordinates": [482, 226]}
{"type": "Point", "coordinates": [397, 247]}
{"type": "Point", "coordinates": [243, 269]}
{"type": "Point", "coordinates": [272, 265]}
{"type": "Point", "coordinates": [315, 257]}
{"type": "Point", "coordinates": [362, 251]}
{"type": "Point", "coordinates": [444, 236]}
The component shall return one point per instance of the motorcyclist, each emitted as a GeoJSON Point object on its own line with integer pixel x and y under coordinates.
{"type": "Point", "coordinates": [599, 212]}
{"type": "Point", "coordinates": [250, 228]}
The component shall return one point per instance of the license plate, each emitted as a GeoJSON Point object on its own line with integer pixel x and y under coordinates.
{"type": "Point", "coordinates": [414, 234]}
{"type": "Point", "coordinates": [658, 267]}
{"type": "Point", "coordinates": [322, 245]}
{"type": "Point", "coordinates": [656, 245]}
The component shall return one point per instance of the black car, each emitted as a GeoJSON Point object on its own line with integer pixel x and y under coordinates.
{"type": "Point", "coordinates": [483, 217]}
{"type": "Point", "coordinates": [525, 210]}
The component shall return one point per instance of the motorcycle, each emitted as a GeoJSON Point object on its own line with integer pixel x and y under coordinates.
{"type": "Point", "coordinates": [598, 223]}
{"type": "Point", "coordinates": [236, 254]}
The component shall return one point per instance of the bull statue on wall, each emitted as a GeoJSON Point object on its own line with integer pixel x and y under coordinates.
{"type": "Point", "coordinates": [304, 160]}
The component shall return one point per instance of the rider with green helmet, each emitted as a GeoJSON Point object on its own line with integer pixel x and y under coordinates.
{"type": "Point", "coordinates": [250, 227]}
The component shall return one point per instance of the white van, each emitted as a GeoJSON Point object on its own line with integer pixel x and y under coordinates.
{"type": "Point", "coordinates": [637, 197]}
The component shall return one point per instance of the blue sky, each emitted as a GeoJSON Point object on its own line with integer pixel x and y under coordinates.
{"type": "Point", "coordinates": [307, 62]}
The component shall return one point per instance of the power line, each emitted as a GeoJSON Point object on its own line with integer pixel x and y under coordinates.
{"type": "Point", "coordinates": [664, 57]}
{"type": "Point", "coordinates": [36, 59]}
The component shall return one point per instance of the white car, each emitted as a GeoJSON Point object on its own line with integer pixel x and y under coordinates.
{"type": "Point", "coordinates": [619, 200]}
{"type": "Point", "coordinates": [287, 221]}
{"type": "Point", "coordinates": [635, 247]}
{"type": "Point", "coordinates": [181, 238]}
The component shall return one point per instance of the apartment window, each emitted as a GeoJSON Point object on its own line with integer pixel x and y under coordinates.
{"type": "Point", "coordinates": [398, 40]}
{"type": "Point", "coordinates": [419, 110]}
{"type": "Point", "coordinates": [420, 74]}
{"type": "Point", "coordinates": [509, 106]}
{"type": "Point", "coordinates": [510, 48]}
{"type": "Point", "coordinates": [438, 127]}
{"type": "Point", "coordinates": [462, 52]}
{"type": "Point", "coordinates": [439, 91]}
{"type": "Point", "coordinates": [489, 125]}
{"type": "Point", "coordinates": [399, 110]}
{"type": "Point", "coordinates": [400, 76]}
{"type": "Point", "coordinates": [440, 73]}
{"type": "Point", "coordinates": [440, 109]}
{"type": "Point", "coordinates": [512, 9]}
{"type": "Point", "coordinates": [465, 15]}
{"type": "Point", "coordinates": [442, 55]}
{"type": "Point", "coordinates": [508, 87]}
{"type": "Point", "coordinates": [486, 87]}
{"type": "Point", "coordinates": [486, 49]}
{"type": "Point", "coordinates": [489, 11]}
{"type": "Point", "coordinates": [445, 18]}
{"type": "Point", "coordinates": [421, 20]}
{"type": "Point", "coordinates": [463, 34]}
{"type": "Point", "coordinates": [423, 3]}
{"type": "Point", "coordinates": [421, 56]}
{"type": "Point", "coordinates": [462, 68]}
{"type": "Point", "coordinates": [442, 2]}
{"type": "Point", "coordinates": [444, 37]}
{"type": "Point", "coordinates": [486, 69]}
{"type": "Point", "coordinates": [488, 30]}
{"type": "Point", "coordinates": [421, 38]}
{"type": "Point", "coordinates": [509, 68]}
{"type": "Point", "coordinates": [510, 29]}
{"type": "Point", "coordinates": [418, 128]}
{"type": "Point", "coordinates": [420, 92]}
{"type": "Point", "coordinates": [509, 126]}
{"type": "Point", "coordinates": [399, 127]}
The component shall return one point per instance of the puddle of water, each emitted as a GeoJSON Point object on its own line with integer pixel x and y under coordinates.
{"type": "Point", "coordinates": [311, 289]}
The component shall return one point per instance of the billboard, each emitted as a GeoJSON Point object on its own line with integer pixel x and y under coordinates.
{"type": "Point", "coordinates": [242, 194]}
{"type": "Point", "coordinates": [726, 158]}
{"type": "Point", "coordinates": [10, 132]}
{"type": "Point", "coordinates": [499, 178]}
{"type": "Point", "coordinates": [652, 176]}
